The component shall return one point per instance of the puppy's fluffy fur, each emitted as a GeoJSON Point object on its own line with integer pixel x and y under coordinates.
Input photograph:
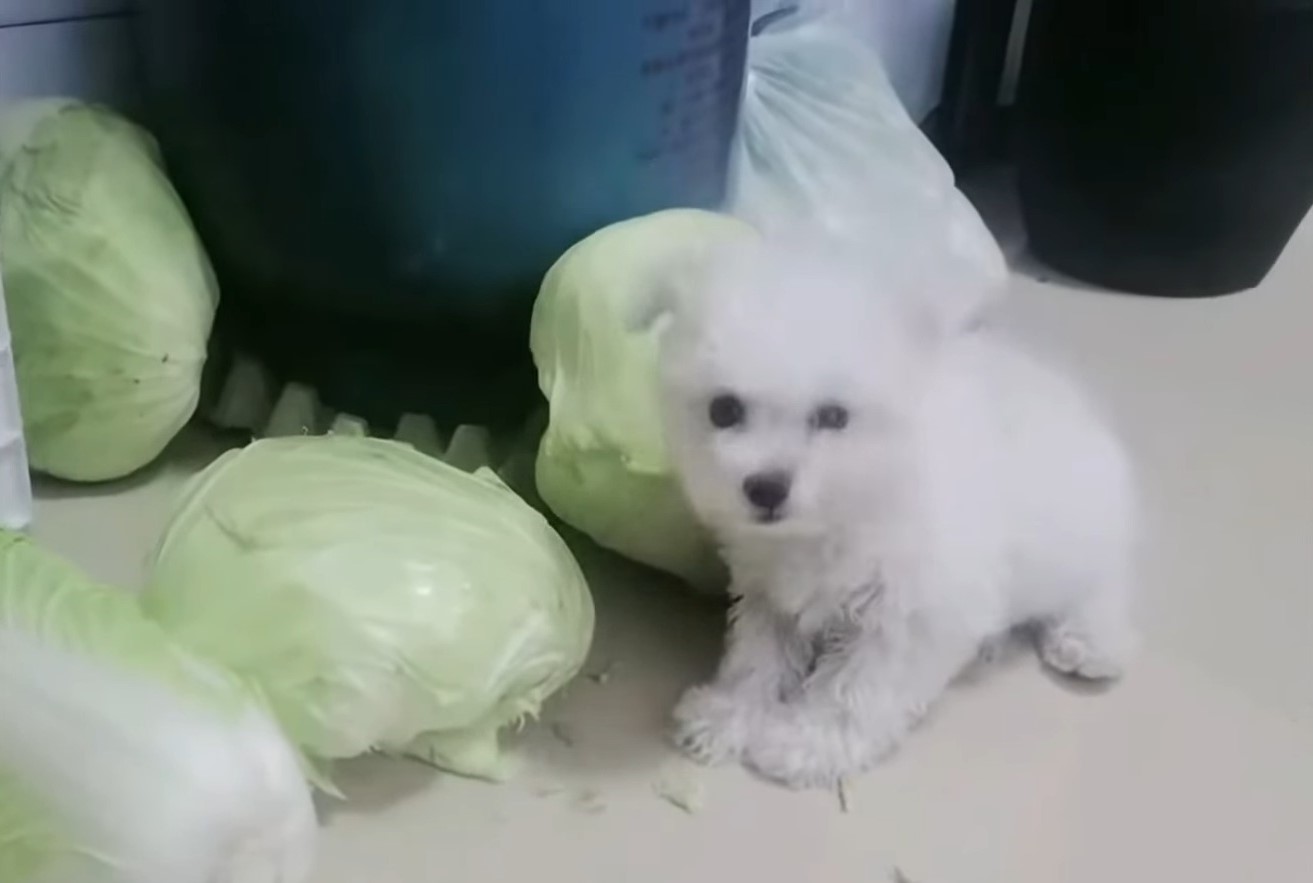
{"type": "Point", "coordinates": [940, 489]}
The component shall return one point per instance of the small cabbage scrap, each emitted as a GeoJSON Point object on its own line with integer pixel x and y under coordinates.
{"type": "Point", "coordinates": [381, 599]}
{"type": "Point", "coordinates": [111, 296]}
{"type": "Point", "coordinates": [602, 465]}
{"type": "Point", "coordinates": [123, 758]}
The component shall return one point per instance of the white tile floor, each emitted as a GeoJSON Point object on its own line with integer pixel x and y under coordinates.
{"type": "Point", "coordinates": [1199, 768]}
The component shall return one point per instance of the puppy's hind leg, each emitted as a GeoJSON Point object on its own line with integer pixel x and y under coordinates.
{"type": "Point", "coordinates": [1093, 639]}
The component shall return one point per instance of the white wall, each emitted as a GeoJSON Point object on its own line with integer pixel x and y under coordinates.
{"type": "Point", "coordinates": [67, 52]}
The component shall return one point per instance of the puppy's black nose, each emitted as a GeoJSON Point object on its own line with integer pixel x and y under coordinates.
{"type": "Point", "coordinates": [767, 491]}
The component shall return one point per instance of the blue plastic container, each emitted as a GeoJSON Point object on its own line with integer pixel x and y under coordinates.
{"type": "Point", "coordinates": [407, 159]}
{"type": "Point", "coordinates": [383, 183]}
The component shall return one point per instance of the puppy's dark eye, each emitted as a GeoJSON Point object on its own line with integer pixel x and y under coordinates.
{"type": "Point", "coordinates": [727, 411]}
{"type": "Point", "coordinates": [830, 417]}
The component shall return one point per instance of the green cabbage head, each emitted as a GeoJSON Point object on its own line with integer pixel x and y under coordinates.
{"type": "Point", "coordinates": [602, 465]}
{"type": "Point", "coordinates": [380, 599]}
{"type": "Point", "coordinates": [111, 296]}
{"type": "Point", "coordinates": [125, 758]}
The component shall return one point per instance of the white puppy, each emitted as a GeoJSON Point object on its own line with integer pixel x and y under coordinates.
{"type": "Point", "coordinates": [892, 489]}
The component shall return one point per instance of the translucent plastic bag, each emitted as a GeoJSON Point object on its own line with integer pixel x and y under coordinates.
{"type": "Point", "coordinates": [910, 36]}
{"type": "Point", "coordinates": [824, 140]}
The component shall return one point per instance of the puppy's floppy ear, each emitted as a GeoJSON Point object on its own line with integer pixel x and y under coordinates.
{"type": "Point", "coordinates": [964, 306]}
{"type": "Point", "coordinates": [673, 283]}
{"type": "Point", "coordinates": [940, 310]}
{"type": "Point", "coordinates": [651, 305]}
{"type": "Point", "coordinates": [967, 279]}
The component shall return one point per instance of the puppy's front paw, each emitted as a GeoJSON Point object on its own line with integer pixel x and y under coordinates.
{"type": "Point", "coordinates": [808, 754]}
{"type": "Point", "coordinates": [710, 725]}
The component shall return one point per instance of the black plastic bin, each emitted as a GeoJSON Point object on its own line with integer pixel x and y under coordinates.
{"type": "Point", "coordinates": [1166, 148]}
